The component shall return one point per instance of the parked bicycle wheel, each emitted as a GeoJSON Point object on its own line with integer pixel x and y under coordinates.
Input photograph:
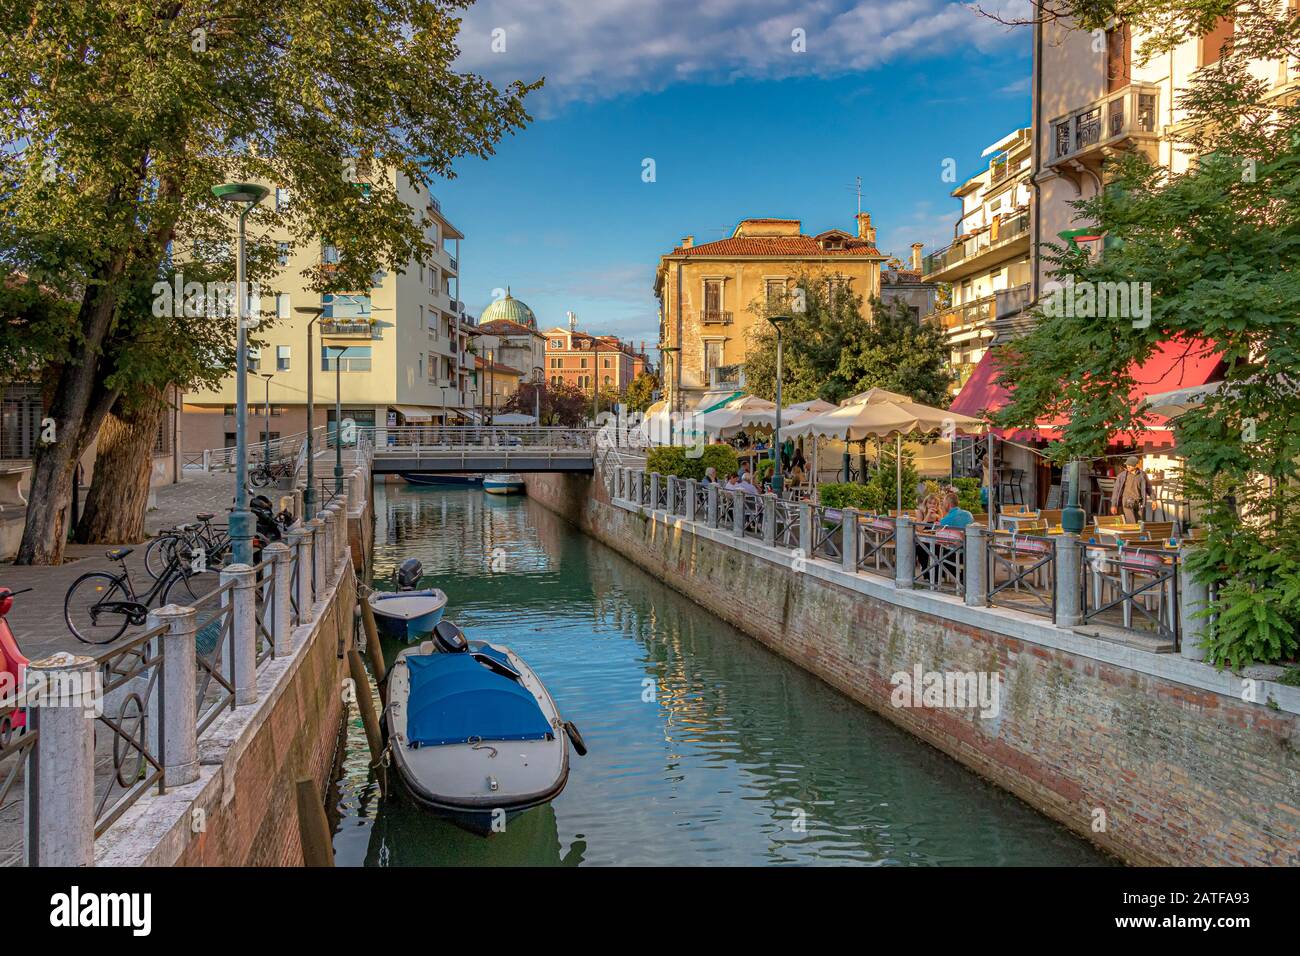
{"type": "Point", "coordinates": [259, 478]}
{"type": "Point", "coordinates": [159, 552]}
{"type": "Point", "coordinates": [187, 587]}
{"type": "Point", "coordinates": [83, 609]}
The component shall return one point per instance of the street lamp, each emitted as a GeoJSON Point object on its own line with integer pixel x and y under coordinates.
{"type": "Point", "coordinates": [338, 419]}
{"type": "Point", "coordinates": [492, 387]}
{"type": "Point", "coordinates": [778, 321]}
{"type": "Point", "coordinates": [266, 433]}
{"type": "Point", "coordinates": [309, 495]}
{"type": "Point", "coordinates": [668, 352]}
{"type": "Point", "coordinates": [241, 519]}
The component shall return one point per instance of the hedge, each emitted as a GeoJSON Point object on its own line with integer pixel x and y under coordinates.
{"type": "Point", "coordinates": [673, 460]}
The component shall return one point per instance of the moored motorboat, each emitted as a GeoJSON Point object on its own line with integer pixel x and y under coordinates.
{"type": "Point", "coordinates": [503, 484]}
{"type": "Point", "coordinates": [458, 479]}
{"type": "Point", "coordinates": [408, 614]}
{"type": "Point", "coordinates": [475, 735]}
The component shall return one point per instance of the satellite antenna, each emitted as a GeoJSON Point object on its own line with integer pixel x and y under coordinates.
{"type": "Point", "coordinates": [858, 189]}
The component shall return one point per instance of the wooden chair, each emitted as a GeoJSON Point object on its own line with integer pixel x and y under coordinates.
{"type": "Point", "coordinates": [1052, 517]}
{"type": "Point", "coordinates": [1107, 521]}
{"type": "Point", "coordinates": [1158, 530]}
{"type": "Point", "coordinates": [1014, 509]}
{"type": "Point", "coordinates": [1196, 534]}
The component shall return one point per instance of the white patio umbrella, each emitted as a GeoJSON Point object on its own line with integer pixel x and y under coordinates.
{"type": "Point", "coordinates": [747, 412]}
{"type": "Point", "coordinates": [1181, 400]}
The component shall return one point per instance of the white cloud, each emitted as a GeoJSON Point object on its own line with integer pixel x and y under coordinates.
{"type": "Point", "coordinates": [595, 49]}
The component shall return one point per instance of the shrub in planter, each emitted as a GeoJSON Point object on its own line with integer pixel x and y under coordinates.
{"type": "Point", "coordinates": [674, 460]}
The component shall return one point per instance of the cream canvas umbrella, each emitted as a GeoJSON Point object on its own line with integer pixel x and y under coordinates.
{"type": "Point", "coordinates": [748, 412]}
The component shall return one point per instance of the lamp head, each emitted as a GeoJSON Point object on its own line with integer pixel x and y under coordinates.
{"type": "Point", "coordinates": [315, 311]}
{"type": "Point", "coordinates": [778, 320]}
{"type": "Point", "coordinates": [240, 192]}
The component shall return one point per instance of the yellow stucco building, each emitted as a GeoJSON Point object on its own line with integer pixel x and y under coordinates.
{"type": "Point", "coordinates": [705, 292]}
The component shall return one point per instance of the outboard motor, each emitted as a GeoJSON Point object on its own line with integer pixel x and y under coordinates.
{"type": "Point", "coordinates": [450, 638]}
{"type": "Point", "coordinates": [408, 574]}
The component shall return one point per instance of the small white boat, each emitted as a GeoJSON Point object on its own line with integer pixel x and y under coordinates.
{"type": "Point", "coordinates": [408, 614]}
{"type": "Point", "coordinates": [475, 736]}
{"type": "Point", "coordinates": [503, 484]}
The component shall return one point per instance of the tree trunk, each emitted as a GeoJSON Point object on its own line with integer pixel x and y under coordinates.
{"type": "Point", "coordinates": [119, 492]}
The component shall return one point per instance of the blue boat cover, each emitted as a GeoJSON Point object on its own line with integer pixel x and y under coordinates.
{"type": "Point", "coordinates": [454, 697]}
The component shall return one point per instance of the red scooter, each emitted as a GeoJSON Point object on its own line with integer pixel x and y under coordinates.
{"type": "Point", "coordinates": [13, 665]}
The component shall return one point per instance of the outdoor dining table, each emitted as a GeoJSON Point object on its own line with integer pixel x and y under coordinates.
{"type": "Point", "coordinates": [1128, 561]}
{"type": "Point", "coordinates": [1012, 520]}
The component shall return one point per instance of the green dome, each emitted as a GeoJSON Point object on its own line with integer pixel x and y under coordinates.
{"type": "Point", "coordinates": [510, 309]}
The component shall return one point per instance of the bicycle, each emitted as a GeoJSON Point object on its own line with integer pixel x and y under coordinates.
{"type": "Point", "coordinates": [214, 540]}
{"type": "Point", "coordinates": [268, 473]}
{"type": "Point", "coordinates": [99, 606]}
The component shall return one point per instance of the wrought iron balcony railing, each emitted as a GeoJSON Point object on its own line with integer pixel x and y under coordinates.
{"type": "Point", "coordinates": [1112, 120]}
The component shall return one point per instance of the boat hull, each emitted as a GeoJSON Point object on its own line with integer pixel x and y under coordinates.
{"type": "Point", "coordinates": [448, 479]}
{"type": "Point", "coordinates": [396, 619]}
{"type": "Point", "coordinates": [503, 484]}
{"type": "Point", "coordinates": [478, 786]}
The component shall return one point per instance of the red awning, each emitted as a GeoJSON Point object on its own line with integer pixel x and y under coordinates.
{"type": "Point", "coordinates": [1176, 363]}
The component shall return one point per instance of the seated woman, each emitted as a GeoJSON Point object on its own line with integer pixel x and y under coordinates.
{"type": "Point", "coordinates": [929, 510]}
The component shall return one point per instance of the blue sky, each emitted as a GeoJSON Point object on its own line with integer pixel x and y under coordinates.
{"type": "Point", "coordinates": [738, 124]}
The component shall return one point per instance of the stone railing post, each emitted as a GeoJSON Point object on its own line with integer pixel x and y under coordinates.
{"type": "Point", "coordinates": [340, 529]}
{"type": "Point", "coordinates": [654, 490]}
{"type": "Point", "coordinates": [673, 482]}
{"type": "Point", "coordinates": [805, 528]}
{"type": "Point", "coordinates": [691, 486]}
{"type": "Point", "coordinates": [281, 588]}
{"type": "Point", "coordinates": [179, 744]}
{"type": "Point", "coordinates": [977, 544]}
{"type": "Point", "coordinates": [849, 550]}
{"type": "Point", "coordinates": [711, 504]}
{"type": "Point", "coordinates": [297, 504]}
{"type": "Point", "coordinates": [1193, 596]}
{"type": "Point", "coordinates": [300, 541]}
{"type": "Point", "coordinates": [738, 513]}
{"type": "Point", "coordinates": [769, 520]}
{"type": "Point", "coordinates": [904, 552]}
{"type": "Point", "coordinates": [320, 577]}
{"type": "Point", "coordinates": [325, 547]}
{"type": "Point", "coordinates": [243, 640]}
{"type": "Point", "coordinates": [65, 754]}
{"type": "Point", "coordinates": [1069, 578]}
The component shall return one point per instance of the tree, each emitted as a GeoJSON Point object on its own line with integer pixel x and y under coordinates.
{"type": "Point", "coordinates": [119, 115]}
{"type": "Point", "coordinates": [832, 351]}
{"type": "Point", "coordinates": [641, 392]}
{"type": "Point", "coordinates": [561, 405]}
{"type": "Point", "coordinates": [1215, 248]}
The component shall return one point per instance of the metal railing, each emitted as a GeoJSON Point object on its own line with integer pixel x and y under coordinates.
{"type": "Point", "coordinates": [1127, 113]}
{"type": "Point", "coordinates": [940, 560]}
{"type": "Point", "coordinates": [1022, 573]}
{"type": "Point", "coordinates": [786, 530]}
{"type": "Point", "coordinates": [133, 687]}
{"type": "Point", "coordinates": [754, 515]}
{"type": "Point", "coordinates": [214, 644]}
{"type": "Point", "coordinates": [827, 533]}
{"type": "Point", "coordinates": [1123, 584]}
{"type": "Point", "coordinates": [1009, 228]}
{"type": "Point", "coordinates": [264, 611]}
{"type": "Point", "coordinates": [20, 779]}
{"type": "Point", "coordinates": [875, 540]}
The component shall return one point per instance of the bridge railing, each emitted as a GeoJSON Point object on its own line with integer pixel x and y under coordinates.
{"type": "Point", "coordinates": [458, 438]}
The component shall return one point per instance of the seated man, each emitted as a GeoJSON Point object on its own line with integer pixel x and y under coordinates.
{"type": "Point", "coordinates": [955, 516]}
{"type": "Point", "coordinates": [710, 476]}
{"type": "Point", "coordinates": [746, 485]}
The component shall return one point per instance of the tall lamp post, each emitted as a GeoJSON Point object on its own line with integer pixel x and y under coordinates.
{"type": "Point", "coordinates": [266, 433]}
{"type": "Point", "coordinates": [309, 494]}
{"type": "Point", "coordinates": [669, 354]}
{"type": "Point", "coordinates": [538, 374]}
{"type": "Point", "coordinates": [241, 519]}
{"type": "Point", "coordinates": [338, 419]}
{"type": "Point", "coordinates": [492, 386]}
{"type": "Point", "coordinates": [777, 479]}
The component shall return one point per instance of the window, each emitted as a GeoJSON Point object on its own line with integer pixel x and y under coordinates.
{"type": "Point", "coordinates": [282, 253]}
{"type": "Point", "coordinates": [607, 380]}
{"type": "Point", "coordinates": [282, 305]}
{"type": "Point", "coordinates": [712, 357]}
{"type": "Point", "coordinates": [281, 199]}
{"type": "Point", "coordinates": [557, 343]}
{"type": "Point", "coordinates": [582, 362]}
{"type": "Point", "coordinates": [353, 358]}
{"type": "Point", "coordinates": [1119, 58]}
{"type": "Point", "coordinates": [421, 316]}
{"type": "Point", "coordinates": [282, 358]}
{"type": "Point", "coordinates": [20, 420]}
{"type": "Point", "coordinates": [712, 296]}
{"type": "Point", "coordinates": [775, 289]}
{"type": "Point", "coordinates": [557, 363]}
{"type": "Point", "coordinates": [1212, 43]}
{"type": "Point", "coordinates": [254, 359]}
{"type": "Point", "coordinates": [419, 368]}
{"type": "Point", "coordinates": [329, 254]}
{"type": "Point", "coordinates": [606, 363]}
{"type": "Point", "coordinates": [262, 436]}
{"type": "Point", "coordinates": [346, 307]}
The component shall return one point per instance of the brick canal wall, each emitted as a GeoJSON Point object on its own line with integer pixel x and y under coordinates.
{"type": "Point", "coordinates": [1153, 757]}
{"type": "Point", "coordinates": [242, 810]}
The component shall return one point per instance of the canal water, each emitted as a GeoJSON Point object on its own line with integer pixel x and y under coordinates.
{"type": "Point", "coordinates": [704, 747]}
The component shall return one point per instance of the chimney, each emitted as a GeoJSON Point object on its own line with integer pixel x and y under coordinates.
{"type": "Point", "coordinates": [916, 255]}
{"type": "Point", "coordinates": [688, 242]}
{"type": "Point", "coordinates": [865, 229]}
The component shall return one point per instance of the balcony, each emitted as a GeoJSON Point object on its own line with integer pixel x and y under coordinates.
{"type": "Point", "coordinates": [1116, 121]}
{"type": "Point", "coordinates": [1008, 236]}
{"type": "Point", "coordinates": [715, 317]}
{"type": "Point", "coordinates": [342, 328]}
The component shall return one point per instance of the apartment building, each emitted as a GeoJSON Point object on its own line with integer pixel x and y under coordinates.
{"type": "Point", "coordinates": [593, 363]}
{"type": "Point", "coordinates": [705, 292]}
{"type": "Point", "coordinates": [988, 264]}
{"type": "Point", "coordinates": [906, 283]}
{"type": "Point", "coordinates": [396, 352]}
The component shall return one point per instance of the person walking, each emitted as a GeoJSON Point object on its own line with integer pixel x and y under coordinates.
{"type": "Point", "coordinates": [1132, 491]}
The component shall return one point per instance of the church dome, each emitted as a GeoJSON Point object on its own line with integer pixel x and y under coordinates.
{"type": "Point", "coordinates": [510, 309]}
